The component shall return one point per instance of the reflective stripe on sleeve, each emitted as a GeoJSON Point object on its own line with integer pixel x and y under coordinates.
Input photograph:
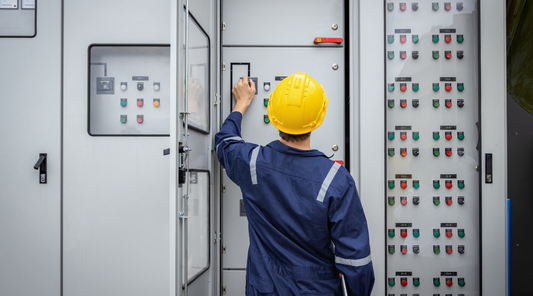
{"type": "Point", "coordinates": [354, 262]}
{"type": "Point", "coordinates": [327, 181]}
{"type": "Point", "coordinates": [253, 162]}
{"type": "Point", "coordinates": [227, 139]}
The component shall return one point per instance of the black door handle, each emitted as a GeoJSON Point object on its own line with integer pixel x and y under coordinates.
{"type": "Point", "coordinates": [41, 166]}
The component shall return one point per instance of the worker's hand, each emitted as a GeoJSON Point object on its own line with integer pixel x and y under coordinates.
{"type": "Point", "coordinates": [244, 92]}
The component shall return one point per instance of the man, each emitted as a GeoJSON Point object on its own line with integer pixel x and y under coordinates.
{"type": "Point", "coordinates": [306, 222]}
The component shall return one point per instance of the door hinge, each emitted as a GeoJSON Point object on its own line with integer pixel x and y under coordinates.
{"type": "Point", "coordinates": [224, 249]}
{"type": "Point", "coordinates": [223, 66]}
{"type": "Point", "coordinates": [224, 188]}
{"type": "Point", "coordinates": [223, 26]}
{"type": "Point", "coordinates": [223, 289]}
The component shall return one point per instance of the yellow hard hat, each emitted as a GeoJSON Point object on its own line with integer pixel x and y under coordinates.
{"type": "Point", "coordinates": [298, 105]}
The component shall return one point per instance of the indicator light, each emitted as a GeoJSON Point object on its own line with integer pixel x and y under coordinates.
{"type": "Point", "coordinates": [403, 103]}
{"type": "Point", "coordinates": [448, 151]}
{"type": "Point", "coordinates": [449, 200]}
{"type": "Point", "coordinates": [460, 151]}
{"type": "Point", "coordinates": [391, 233]}
{"type": "Point", "coordinates": [403, 233]}
{"type": "Point", "coordinates": [461, 200]}
{"type": "Point", "coordinates": [447, 6]}
{"type": "Point", "coordinates": [403, 184]}
{"type": "Point", "coordinates": [448, 184]}
{"type": "Point", "coordinates": [391, 86]}
{"type": "Point", "coordinates": [436, 282]}
{"type": "Point", "coordinates": [436, 54]}
{"type": "Point", "coordinates": [403, 55]}
{"type": "Point", "coordinates": [416, 184]}
{"type": "Point", "coordinates": [403, 249]}
{"type": "Point", "coordinates": [447, 38]}
{"type": "Point", "coordinates": [416, 136]}
{"type": "Point", "coordinates": [416, 282]}
{"type": "Point", "coordinates": [436, 151]}
{"type": "Point", "coordinates": [403, 39]}
{"type": "Point", "coordinates": [123, 85]}
{"type": "Point", "coordinates": [448, 86]}
{"type": "Point", "coordinates": [157, 86]}
{"type": "Point", "coordinates": [390, 54]}
{"type": "Point", "coordinates": [448, 103]}
{"type": "Point", "coordinates": [436, 250]}
{"type": "Point", "coordinates": [414, 6]}
{"type": "Point", "coordinates": [449, 233]}
{"type": "Point", "coordinates": [266, 86]}
{"type": "Point", "coordinates": [460, 86]}
{"type": "Point", "coordinates": [391, 103]}
{"type": "Point", "coordinates": [391, 186]}
{"type": "Point", "coordinates": [390, 6]}
{"type": "Point", "coordinates": [123, 118]}
{"type": "Point", "coordinates": [461, 249]}
{"type": "Point", "coordinates": [416, 250]}
{"type": "Point", "coordinates": [448, 135]}
{"type": "Point", "coordinates": [403, 86]}
{"type": "Point", "coordinates": [415, 54]}
{"type": "Point", "coordinates": [404, 280]}
{"type": "Point", "coordinates": [416, 232]}
{"type": "Point", "coordinates": [391, 135]}
{"type": "Point", "coordinates": [415, 103]}
{"type": "Point", "coordinates": [403, 135]}
{"type": "Point", "coordinates": [390, 38]}
{"type": "Point", "coordinates": [435, 38]}
{"type": "Point", "coordinates": [319, 40]}
{"type": "Point", "coordinates": [140, 118]}
{"type": "Point", "coordinates": [265, 102]}
{"type": "Point", "coordinates": [391, 151]}
{"type": "Point", "coordinates": [391, 280]}
{"type": "Point", "coordinates": [461, 282]}
{"type": "Point", "coordinates": [436, 103]}
{"type": "Point", "coordinates": [157, 102]}
{"type": "Point", "coordinates": [448, 55]}
{"type": "Point", "coordinates": [123, 102]}
{"type": "Point", "coordinates": [435, 6]}
{"type": "Point", "coordinates": [461, 233]}
{"type": "Point", "coordinates": [416, 152]}
{"type": "Point", "coordinates": [435, 87]}
{"type": "Point", "coordinates": [460, 38]}
{"type": "Point", "coordinates": [461, 184]}
{"type": "Point", "coordinates": [460, 135]}
{"type": "Point", "coordinates": [460, 103]}
{"type": "Point", "coordinates": [415, 39]}
{"type": "Point", "coordinates": [403, 7]}
{"type": "Point", "coordinates": [266, 119]}
{"type": "Point", "coordinates": [403, 151]}
{"type": "Point", "coordinates": [449, 249]}
{"type": "Point", "coordinates": [449, 282]}
{"type": "Point", "coordinates": [392, 250]}
{"type": "Point", "coordinates": [391, 199]}
{"type": "Point", "coordinates": [436, 184]}
{"type": "Point", "coordinates": [416, 200]}
{"type": "Point", "coordinates": [436, 201]}
{"type": "Point", "coordinates": [436, 135]}
{"type": "Point", "coordinates": [415, 87]}
{"type": "Point", "coordinates": [140, 102]}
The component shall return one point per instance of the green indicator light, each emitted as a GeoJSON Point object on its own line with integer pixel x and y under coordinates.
{"type": "Point", "coordinates": [391, 55]}
{"type": "Point", "coordinates": [391, 136]}
{"type": "Point", "coordinates": [436, 186]}
{"type": "Point", "coordinates": [391, 104]}
{"type": "Point", "coordinates": [267, 120]}
{"type": "Point", "coordinates": [462, 283]}
{"type": "Point", "coordinates": [391, 233]}
{"type": "Point", "coordinates": [461, 234]}
{"type": "Point", "coordinates": [460, 39]}
{"type": "Point", "coordinates": [416, 283]}
{"type": "Point", "coordinates": [461, 136]}
{"type": "Point", "coordinates": [436, 282]}
{"type": "Point", "coordinates": [391, 202]}
{"type": "Point", "coordinates": [391, 283]}
{"type": "Point", "coordinates": [436, 39]}
{"type": "Point", "coordinates": [123, 103]}
{"type": "Point", "coordinates": [436, 56]}
{"type": "Point", "coordinates": [416, 234]}
{"type": "Point", "coordinates": [391, 39]}
{"type": "Point", "coordinates": [436, 234]}
{"type": "Point", "coordinates": [416, 136]}
{"type": "Point", "coordinates": [437, 202]}
{"type": "Point", "coordinates": [436, 136]}
{"type": "Point", "coordinates": [437, 251]}
{"type": "Point", "coordinates": [391, 153]}
{"type": "Point", "coordinates": [461, 185]}
{"type": "Point", "coordinates": [391, 87]}
{"type": "Point", "coordinates": [416, 185]}
{"type": "Point", "coordinates": [435, 7]}
{"type": "Point", "coordinates": [460, 87]}
{"type": "Point", "coordinates": [391, 7]}
{"type": "Point", "coordinates": [123, 119]}
{"type": "Point", "coordinates": [266, 102]}
{"type": "Point", "coordinates": [415, 39]}
{"type": "Point", "coordinates": [436, 153]}
{"type": "Point", "coordinates": [436, 104]}
{"type": "Point", "coordinates": [415, 87]}
{"type": "Point", "coordinates": [436, 87]}
{"type": "Point", "coordinates": [391, 186]}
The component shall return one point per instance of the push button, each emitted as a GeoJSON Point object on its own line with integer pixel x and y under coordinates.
{"type": "Point", "coordinates": [436, 152]}
{"type": "Point", "coordinates": [447, 38]}
{"type": "Point", "coordinates": [403, 38]}
{"type": "Point", "coordinates": [265, 102]}
{"type": "Point", "coordinates": [436, 87]}
{"type": "Point", "coordinates": [391, 86]}
{"type": "Point", "coordinates": [140, 118]}
{"type": "Point", "coordinates": [416, 282]}
{"type": "Point", "coordinates": [392, 282]}
{"type": "Point", "coordinates": [436, 233]}
{"type": "Point", "coordinates": [403, 87]}
{"type": "Point", "coordinates": [435, 38]}
{"type": "Point", "coordinates": [403, 233]}
{"type": "Point", "coordinates": [415, 38]}
{"type": "Point", "coordinates": [157, 102]}
{"type": "Point", "coordinates": [461, 135]}
{"type": "Point", "coordinates": [390, 38]}
{"type": "Point", "coordinates": [140, 102]}
{"type": "Point", "coordinates": [436, 249]}
{"type": "Point", "coordinates": [266, 119]}
{"type": "Point", "coordinates": [390, 55]}
{"type": "Point", "coordinates": [448, 103]}
{"type": "Point", "coordinates": [391, 103]}
{"type": "Point", "coordinates": [449, 249]}
{"type": "Point", "coordinates": [416, 184]}
{"type": "Point", "coordinates": [436, 54]}
{"type": "Point", "coordinates": [403, 249]}
{"type": "Point", "coordinates": [403, 281]}
{"type": "Point", "coordinates": [403, 103]}
{"type": "Point", "coordinates": [449, 233]}
{"type": "Point", "coordinates": [448, 54]}
{"type": "Point", "coordinates": [403, 135]}
{"type": "Point", "coordinates": [392, 250]}
{"type": "Point", "coordinates": [461, 233]}
{"type": "Point", "coordinates": [460, 86]}
{"type": "Point", "coordinates": [403, 201]}
{"type": "Point", "coordinates": [403, 7]}
{"type": "Point", "coordinates": [436, 282]}
{"type": "Point", "coordinates": [436, 200]}
{"type": "Point", "coordinates": [448, 86]}
{"type": "Point", "coordinates": [435, 6]}
{"type": "Point", "coordinates": [436, 103]}
{"type": "Point", "coordinates": [461, 184]}
{"type": "Point", "coordinates": [391, 199]}
{"type": "Point", "coordinates": [403, 55]}
{"type": "Point", "coordinates": [460, 38]}
{"type": "Point", "coordinates": [436, 136]}
{"type": "Point", "coordinates": [392, 233]}
{"type": "Point", "coordinates": [447, 6]}
{"type": "Point", "coordinates": [449, 282]}
{"type": "Point", "coordinates": [390, 6]}
{"type": "Point", "coordinates": [436, 184]}
{"type": "Point", "coordinates": [448, 135]}
{"type": "Point", "coordinates": [123, 118]}
{"type": "Point", "coordinates": [390, 135]}
{"type": "Point", "coordinates": [403, 184]}
{"type": "Point", "coordinates": [157, 86]}
{"type": "Point", "coordinates": [123, 102]}
{"type": "Point", "coordinates": [448, 184]}
{"type": "Point", "coordinates": [461, 282]}
{"type": "Point", "coordinates": [449, 200]}
{"type": "Point", "coordinates": [403, 152]}
{"type": "Point", "coordinates": [123, 85]}
{"type": "Point", "coordinates": [391, 186]}
{"type": "Point", "coordinates": [416, 136]}
{"type": "Point", "coordinates": [416, 232]}
{"type": "Point", "coordinates": [448, 151]}
{"type": "Point", "coordinates": [415, 87]}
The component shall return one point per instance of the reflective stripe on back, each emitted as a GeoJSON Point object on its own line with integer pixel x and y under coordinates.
{"type": "Point", "coordinates": [327, 181]}
{"type": "Point", "coordinates": [253, 161]}
{"type": "Point", "coordinates": [354, 262]}
{"type": "Point", "coordinates": [227, 139]}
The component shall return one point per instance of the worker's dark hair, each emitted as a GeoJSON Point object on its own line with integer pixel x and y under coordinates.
{"type": "Point", "coordinates": [294, 138]}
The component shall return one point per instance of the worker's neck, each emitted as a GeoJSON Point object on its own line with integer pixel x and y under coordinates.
{"type": "Point", "coordinates": [302, 145]}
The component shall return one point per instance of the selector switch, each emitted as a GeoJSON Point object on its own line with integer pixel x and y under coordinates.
{"type": "Point", "coordinates": [460, 151]}
{"type": "Point", "coordinates": [460, 6]}
{"type": "Point", "coordinates": [414, 6]}
{"type": "Point", "coordinates": [461, 249]}
{"type": "Point", "coordinates": [461, 200]}
{"type": "Point", "coordinates": [460, 54]}
{"type": "Point", "coordinates": [460, 103]}
{"type": "Point", "coordinates": [415, 103]}
{"type": "Point", "coordinates": [140, 86]}
{"type": "Point", "coordinates": [416, 152]}
{"type": "Point", "coordinates": [416, 201]}
{"type": "Point", "coordinates": [414, 54]}
{"type": "Point", "coordinates": [416, 250]}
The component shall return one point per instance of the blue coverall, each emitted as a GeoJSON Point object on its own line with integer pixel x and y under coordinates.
{"type": "Point", "coordinates": [305, 220]}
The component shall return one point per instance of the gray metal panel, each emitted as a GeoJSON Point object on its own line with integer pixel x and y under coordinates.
{"type": "Point", "coordinates": [30, 123]}
{"type": "Point", "coordinates": [17, 19]}
{"type": "Point", "coordinates": [234, 281]}
{"type": "Point", "coordinates": [116, 205]}
{"type": "Point", "coordinates": [281, 22]}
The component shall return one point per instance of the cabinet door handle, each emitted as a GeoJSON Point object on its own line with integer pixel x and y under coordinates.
{"type": "Point", "coordinates": [41, 166]}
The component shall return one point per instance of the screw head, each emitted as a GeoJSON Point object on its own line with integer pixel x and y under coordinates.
{"type": "Point", "coordinates": [334, 27]}
{"type": "Point", "coordinates": [334, 147]}
{"type": "Point", "coordinates": [335, 67]}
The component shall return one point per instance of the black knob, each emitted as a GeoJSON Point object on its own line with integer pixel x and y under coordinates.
{"type": "Point", "coordinates": [414, 6]}
{"type": "Point", "coordinates": [415, 54]}
{"type": "Point", "coordinates": [416, 151]}
{"type": "Point", "coordinates": [460, 54]}
{"type": "Point", "coordinates": [415, 103]}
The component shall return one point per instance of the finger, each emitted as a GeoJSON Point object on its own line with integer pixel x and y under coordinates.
{"type": "Point", "coordinates": [245, 79]}
{"type": "Point", "coordinates": [252, 84]}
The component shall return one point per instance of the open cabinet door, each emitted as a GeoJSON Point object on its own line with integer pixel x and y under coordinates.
{"type": "Point", "coordinates": [192, 130]}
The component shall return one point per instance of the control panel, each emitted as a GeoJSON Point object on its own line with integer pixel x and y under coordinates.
{"type": "Point", "coordinates": [129, 90]}
{"type": "Point", "coordinates": [18, 18]}
{"type": "Point", "coordinates": [432, 148]}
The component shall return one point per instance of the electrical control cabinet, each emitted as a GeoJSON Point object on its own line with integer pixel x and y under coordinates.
{"type": "Point", "coordinates": [432, 148]}
{"type": "Point", "coordinates": [18, 18]}
{"type": "Point", "coordinates": [129, 90]}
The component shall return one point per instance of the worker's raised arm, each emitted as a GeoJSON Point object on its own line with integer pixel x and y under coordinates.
{"type": "Point", "coordinates": [349, 234]}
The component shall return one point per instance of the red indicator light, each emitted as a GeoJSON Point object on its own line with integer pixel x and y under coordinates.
{"type": "Point", "coordinates": [140, 103]}
{"type": "Point", "coordinates": [339, 162]}
{"type": "Point", "coordinates": [449, 55]}
{"type": "Point", "coordinates": [327, 40]}
{"type": "Point", "coordinates": [403, 7]}
{"type": "Point", "coordinates": [404, 55]}
{"type": "Point", "coordinates": [404, 283]}
{"type": "Point", "coordinates": [448, 7]}
{"type": "Point", "coordinates": [449, 283]}
{"type": "Point", "coordinates": [403, 104]}
{"type": "Point", "coordinates": [449, 234]}
{"type": "Point", "coordinates": [403, 87]}
{"type": "Point", "coordinates": [404, 234]}
{"type": "Point", "coordinates": [403, 136]}
{"type": "Point", "coordinates": [403, 185]}
{"type": "Point", "coordinates": [404, 202]}
{"type": "Point", "coordinates": [448, 87]}
{"type": "Point", "coordinates": [449, 153]}
{"type": "Point", "coordinates": [404, 153]}
{"type": "Point", "coordinates": [448, 39]}
{"type": "Point", "coordinates": [448, 185]}
{"type": "Point", "coordinates": [448, 136]}
{"type": "Point", "coordinates": [403, 39]}
{"type": "Point", "coordinates": [404, 251]}
{"type": "Point", "coordinates": [448, 104]}
{"type": "Point", "coordinates": [449, 202]}
{"type": "Point", "coordinates": [139, 119]}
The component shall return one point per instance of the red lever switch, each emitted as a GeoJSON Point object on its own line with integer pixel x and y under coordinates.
{"type": "Point", "coordinates": [327, 40]}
